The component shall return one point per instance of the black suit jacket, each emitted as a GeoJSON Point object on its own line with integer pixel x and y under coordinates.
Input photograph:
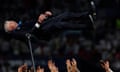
{"type": "Point", "coordinates": [1, 26]}
{"type": "Point", "coordinates": [54, 26]}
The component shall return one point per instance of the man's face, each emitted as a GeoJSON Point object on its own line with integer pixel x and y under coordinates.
{"type": "Point", "coordinates": [10, 25]}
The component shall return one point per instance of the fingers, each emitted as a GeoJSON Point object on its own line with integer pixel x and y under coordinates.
{"type": "Point", "coordinates": [52, 66]}
{"type": "Point", "coordinates": [71, 65]}
{"type": "Point", "coordinates": [68, 63]}
{"type": "Point", "coordinates": [41, 18]}
{"type": "Point", "coordinates": [73, 62]}
{"type": "Point", "coordinates": [39, 69]}
{"type": "Point", "coordinates": [44, 16]}
{"type": "Point", "coordinates": [105, 64]}
{"type": "Point", "coordinates": [22, 68]}
{"type": "Point", "coordinates": [48, 13]}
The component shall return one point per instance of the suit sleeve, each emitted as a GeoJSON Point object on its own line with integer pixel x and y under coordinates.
{"type": "Point", "coordinates": [2, 26]}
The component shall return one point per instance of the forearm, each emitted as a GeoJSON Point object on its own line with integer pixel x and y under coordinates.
{"type": "Point", "coordinates": [75, 69]}
{"type": "Point", "coordinates": [69, 70]}
{"type": "Point", "coordinates": [109, 70]}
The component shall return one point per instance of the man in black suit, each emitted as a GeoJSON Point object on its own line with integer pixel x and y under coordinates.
{"type": "Point", "coordinates": [62, 19]}
{"type": "Point", "coordinates": [11, 29]}
{"type": "Point", "coordinates": [11, 25]}
{"type": "Point", "coordinates": [53, 26]}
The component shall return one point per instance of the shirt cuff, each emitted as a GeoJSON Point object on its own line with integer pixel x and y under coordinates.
{"type": "Point", "coordinates": [37, 25]}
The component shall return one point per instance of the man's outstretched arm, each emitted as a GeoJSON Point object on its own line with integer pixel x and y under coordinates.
{"type": "Point", "coordinates": [11, 25]}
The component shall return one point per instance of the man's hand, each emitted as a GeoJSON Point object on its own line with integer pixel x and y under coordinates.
{"type": "Point", "coordinates": [72, 65]}
{"type": "Point", "coordinates": [44, 16]}
{"type": "Point", "coordinates": [74, 62]}
{"type": "Point", "coordinates": [48, 13]}
{"type": "Point", "coordinates": [22, 68]}
{"type": "Point", "coordinates": [68, 64]}
{"type": "Point", "coordinates": [39, 69]}
{"type": "Point", "coordinates": [10, 26]}
{"type": "Point", "coordinates": [52, 66]}
{"type": "Point", "coordinates": [105, 65]}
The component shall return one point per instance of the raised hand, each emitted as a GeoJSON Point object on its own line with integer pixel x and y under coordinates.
{"type": "Point", "coordinates": [68, 64]}
{"type": "Point", "coordinates": [105, 65]}
{"type": "Point", "coordinates": [72, 65]}
{"type": "Point", "coordinates": [22, 68]}
{"type": "Point", "coordinates": [44, 16]}
{"type": "Point", "coordinates": [74, 62]}
{"type": "Point", "coordinates": [39, 69]}
{"type": "Point", "coordinates": [52, 67]}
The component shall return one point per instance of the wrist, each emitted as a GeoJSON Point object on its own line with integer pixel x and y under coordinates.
{"type": "Point", "coordinates": [37, 25]}
{"type": "Point", "coordinates": [109, 70]}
